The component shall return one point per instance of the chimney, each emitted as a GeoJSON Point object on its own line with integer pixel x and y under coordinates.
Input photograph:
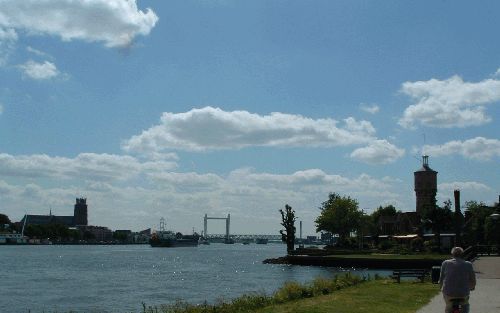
{"type": "Point", "coordinates": [456, 193]}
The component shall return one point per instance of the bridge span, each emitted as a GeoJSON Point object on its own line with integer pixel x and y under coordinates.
{"type": "Point", "coordinates": [243, 237]}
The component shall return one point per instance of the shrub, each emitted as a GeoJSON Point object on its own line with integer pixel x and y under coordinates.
{"type": "Point", "coordinates": [385, 245]}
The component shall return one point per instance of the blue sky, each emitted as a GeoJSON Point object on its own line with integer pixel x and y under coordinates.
{"type": "Point", "coordinates": [175, 109]}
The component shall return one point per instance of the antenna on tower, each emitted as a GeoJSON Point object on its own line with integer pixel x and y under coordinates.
{"type": "Point", "coordinates": [423, 146]}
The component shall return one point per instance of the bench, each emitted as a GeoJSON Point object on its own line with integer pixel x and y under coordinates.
{"type": "Point", "coordinates": [417, 273]}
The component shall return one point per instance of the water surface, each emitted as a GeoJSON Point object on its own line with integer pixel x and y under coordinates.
{"type": "Point", "coordinates": [120, 278]}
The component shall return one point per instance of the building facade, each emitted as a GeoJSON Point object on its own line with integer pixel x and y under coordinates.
{"type": "Point", "coordinates": [425, 186]}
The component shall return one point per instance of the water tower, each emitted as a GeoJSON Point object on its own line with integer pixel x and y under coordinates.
{"type": "Point", "coordinates": [425, 186]}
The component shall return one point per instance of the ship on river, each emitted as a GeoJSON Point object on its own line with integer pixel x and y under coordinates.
{"type": "Point", "coordinates": [169, 239]}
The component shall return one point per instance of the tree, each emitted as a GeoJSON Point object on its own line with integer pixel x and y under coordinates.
{"type": "Point", "coordinates": [439, 219]}
{"type": "Point", "coordinates": [475, 218]}
{"type": "Point", "coordinates": [492, 231]}
{"type": "Point", "coordinates": [288, 221]}
{"type": "Point", "coordinates": [4, 219]}
{"type": "Point", "coordinates": [388, 210]}
{"type": "Point", "coordinates": [339, 215]}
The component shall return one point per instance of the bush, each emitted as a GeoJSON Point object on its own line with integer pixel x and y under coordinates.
{"type": "Point", "coordinates": [291, 291]}
{"type": "Point", "coordinates": [385, 245]}
{"type": "Point", "coordinates": [417, 244]}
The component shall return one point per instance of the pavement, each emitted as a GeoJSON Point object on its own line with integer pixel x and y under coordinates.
{"type": "Point", "coordinates": [486, 297]}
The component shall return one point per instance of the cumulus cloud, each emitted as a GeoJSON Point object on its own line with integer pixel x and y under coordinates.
{"type": "Point", "coordinates": [113, 22]}
{"type": "Point", "coordinates": [251, 197]}
{"type": "Point", "coordinates": [478, 148]}
{"type": "Point", "coordinates": [91, 166]}
{"type": "Point", "coordinates": [372, 109]}
{"type": "Point", "coordinates": [39, 71]}
{"type": "Point", "coordinates": [213, 129]}
{"type": "Point", "coordinates": [449, 103]}
{"type": "Point", "coordinates": [378, 152]}
{"type": "Point", "coordinates": [463, 186]}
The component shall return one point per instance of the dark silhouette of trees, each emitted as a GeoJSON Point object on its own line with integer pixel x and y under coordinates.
{"type": "Point", "coordinates": [339, 215]}
{"type": "Point", "coordinates": [4, 219]}
{"type": "Point", "coordinates": [476, 216]}
{"type": "Point", "coordinates": [288, 221]}
{"type": "Point", "coordinates": [439, 219]}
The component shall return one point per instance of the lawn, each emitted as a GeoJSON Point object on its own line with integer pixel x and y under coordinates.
{"type": "Point", "coordinates": [370, 297]}
{"type": "Point", "coordinates": [392, 256]}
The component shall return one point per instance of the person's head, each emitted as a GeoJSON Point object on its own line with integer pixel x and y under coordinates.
{"type": "Point", "coordinates": [457, 252]}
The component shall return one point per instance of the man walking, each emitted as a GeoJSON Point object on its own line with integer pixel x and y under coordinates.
{"type": "Point", "coordinates": [457, 279]}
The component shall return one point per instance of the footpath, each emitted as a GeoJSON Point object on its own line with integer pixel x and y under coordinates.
{"type": "Point", "coordinates": [486, 297]}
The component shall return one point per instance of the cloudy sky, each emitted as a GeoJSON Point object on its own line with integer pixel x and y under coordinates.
{"type": "Point", "coordinates": [175, 109]}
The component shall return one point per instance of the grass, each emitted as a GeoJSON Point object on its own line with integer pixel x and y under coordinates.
{"type": "Point", "coordinates": [379, 296]}
{"type": "Point", "coordinates": [391, 256]}
{"type": "Point", "coordinates": [345, 294]}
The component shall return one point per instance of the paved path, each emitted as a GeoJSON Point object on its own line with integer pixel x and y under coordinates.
{"type": "Point", "coordinates": [486, 297]}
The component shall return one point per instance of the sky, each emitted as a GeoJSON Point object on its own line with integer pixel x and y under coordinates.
{"type": "Point", "coordinates": [182, 108]}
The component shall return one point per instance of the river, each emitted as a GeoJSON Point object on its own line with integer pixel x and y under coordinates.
{"type": "Point", "coordinates": [119, 278]}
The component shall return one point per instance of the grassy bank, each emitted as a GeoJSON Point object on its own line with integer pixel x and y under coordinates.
{"type": "Point", "coordinates": [346, 294]}
{"type": "Point", "coordinates": [380, 256]}
{"type": "Point", "coordinates": [370, 297]}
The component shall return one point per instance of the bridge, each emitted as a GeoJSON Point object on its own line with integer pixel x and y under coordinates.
{"type": "Point", "coordinates": [242, 237]}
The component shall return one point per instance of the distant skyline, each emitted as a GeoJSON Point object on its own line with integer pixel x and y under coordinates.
{"type": "Point", "coordinates": [175, 109]}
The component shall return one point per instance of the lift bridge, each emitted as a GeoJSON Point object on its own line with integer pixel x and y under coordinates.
{"type": "Point", "coordinates": [242, 238]}
{"type": "Point", "coordinates": [227, 237]}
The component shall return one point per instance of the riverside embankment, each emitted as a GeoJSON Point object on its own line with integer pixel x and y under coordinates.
{"type": "Point", "coordinates": [373, 261]}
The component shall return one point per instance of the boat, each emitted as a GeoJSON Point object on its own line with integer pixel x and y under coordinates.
{"type": "Point", "coordinates": [169, 239]}
{"type": "Point", "coordinates": [261, 241]}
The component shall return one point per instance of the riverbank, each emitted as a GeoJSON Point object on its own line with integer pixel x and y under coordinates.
{"type": "Point", "coordinates": [346, 295]}
{"type": "Point", "coordinates": [372, 261]}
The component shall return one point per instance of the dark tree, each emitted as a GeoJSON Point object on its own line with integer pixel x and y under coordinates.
{"type": "Point", "coordinates": [339, 215]}
{"type": "Point", "coordinates": [475, 221]}
{"type": "Point", "coordinates": [439, 219]}
{"type": "Point", "coordinates": [4, 219]}
{"type": "Point", "coordinates": [288, 221]}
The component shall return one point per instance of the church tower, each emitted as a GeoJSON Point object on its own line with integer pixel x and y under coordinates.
{"type": "Point", "coordinates": [80, 213]}
{"type": "Point", "coordinates": [425, 186]}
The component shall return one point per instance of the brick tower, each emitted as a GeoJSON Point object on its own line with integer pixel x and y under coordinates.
{"type": "Point", "coordinates": [425, 186]}
{"type": "Point", "coordinates": [80, 213]}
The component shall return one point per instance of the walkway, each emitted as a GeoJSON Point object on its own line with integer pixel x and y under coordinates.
{"type": "Point", "coordinates": [485, 299]}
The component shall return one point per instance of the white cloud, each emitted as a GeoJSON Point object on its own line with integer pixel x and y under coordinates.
{"type": "Point", "coordinates": [449, 103]}
{"type": "Point", "coordinates": [478, 148]}
{"type": "Point", "coordinates": [378, 152]}
{"type": "Point", "coordinates": [463, 186]}
{"type": "Point", "coordinates": [1, 109]}
{"type": "Point", "coordinates": [497, 73]}
{"type": "Point", "coordinates": [39, 71]}
{"type": "Point", "coordinates": [252, 198]}
{"type": "Point", "coordinates": [114, 22]}
{"type": "Point", "coordinates": [90, 166]}
{"type": "Point", "coordinates": [212, 128]}
{"type": "Point", "coordinates": [8, 39]}
{"type": "Point", "coordinates": [372, 109]}
{"type": "Point", "coordinates": [38, 52]}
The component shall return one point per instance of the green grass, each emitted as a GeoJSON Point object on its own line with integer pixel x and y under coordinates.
{"type": "Point", "coordinates": [392, 256]}
{"type": "Point", "coordinates": [377, 296]}
{"type": "Point", "coordinates": [343, 294]}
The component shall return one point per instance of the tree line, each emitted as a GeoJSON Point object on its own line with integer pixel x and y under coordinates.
{"type": "Point", "coordinates": [341, 215]}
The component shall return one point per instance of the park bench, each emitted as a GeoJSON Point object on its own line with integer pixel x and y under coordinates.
{"type": "Point", "coordinates": [417, 273]}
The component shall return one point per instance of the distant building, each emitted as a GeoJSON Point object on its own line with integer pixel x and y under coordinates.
{"type": "Point", "coordinates": [425, 186]}
{"type": "Point", "coordinates": [98, 233]}
{"type": "Point", "coordinates": [401, 223]}
{"type": "Point", "coordinates": [79, 217]}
